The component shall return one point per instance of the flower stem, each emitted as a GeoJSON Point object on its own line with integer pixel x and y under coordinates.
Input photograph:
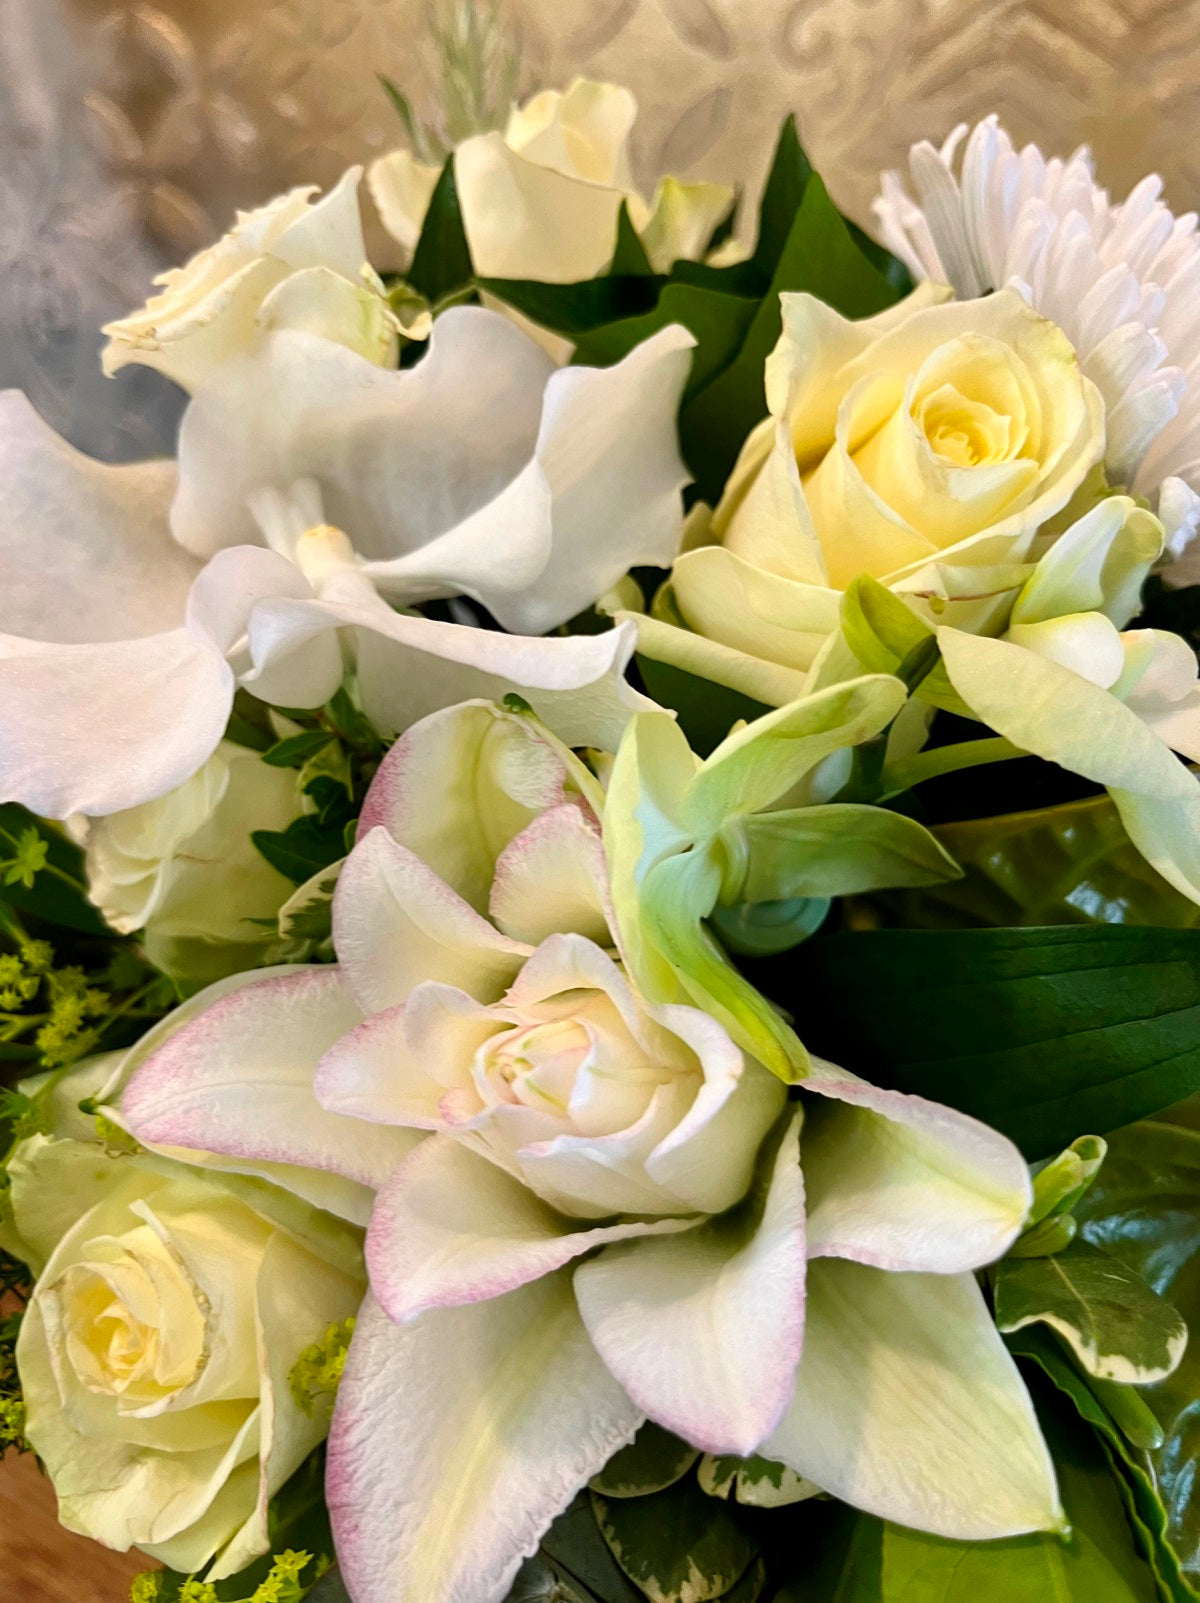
{"type": "Point", "coordinates": [910, 771]}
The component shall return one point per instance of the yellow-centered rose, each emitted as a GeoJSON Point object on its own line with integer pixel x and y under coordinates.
{"type": "Point", "coordinates": [925, 447]}
{"type": "Point", "coordinates": [170, 1305]}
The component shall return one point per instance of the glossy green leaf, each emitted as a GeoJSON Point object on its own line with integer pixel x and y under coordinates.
{"type": "Point", "coordinates": [1130, 1465]}
{"type": "Point", "coordinates": [441, 262]}
{"type": "Point", "coordinates": [654, 1459]}
{"type": "Point", "coordinates": [1117, 1327]}
{"type": "Point", "coordinates": [295, 750]}
{"type": "Point", "coordinates": [574, 309]}
{"type": "Point", "coordinates": [1042, 1033]}
{"type": "Point", "coordinates": [1145, 1209]}
{"type": "Point", "coordinates": [677, 1547]}
{"type": "Point", "coordinates": [718, 320]}
{"type": "Point", "coordinates": [579, 1556]}
{"type": "Point", "coordinates": [756, 1481]}
{"type": "Point", "coordinates": [1072, 864]}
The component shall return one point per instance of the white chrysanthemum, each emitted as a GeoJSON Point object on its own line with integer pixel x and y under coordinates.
{"type": "Point", "coordinates": [1122, 280]}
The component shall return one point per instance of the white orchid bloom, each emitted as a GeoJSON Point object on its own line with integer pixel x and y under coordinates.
{"type": "Point", "coordinates": [293, 263]}
{"type": "Point", "coordinates": [481, 471]}
{"type": "Point", "coordinates": [607, 1219]}
{"type": "Point", "coordinates": [1068, 684]}
{"type": "Point", "coordinates": [120, 653]}
{"type": "Point", "coordinates": [1120, 279]}
{"type": "Point", "coordinates": [542, 199]}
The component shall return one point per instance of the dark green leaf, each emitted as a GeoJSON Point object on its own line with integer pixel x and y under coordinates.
{"type": "Point", "coordinates": [891, 267]}
{"type": "Point", "coordinates": [819, 257]}
{"type": "Point", "coordinates": [295, 750]}
{"type": "Point", "coordinates": [677, 1547]}
{"type": "Point", "coordinates": [719, 321]}
{"type": "Point", "coordinates": [300, 850]}
{"type": "Point", "coordinates": [1042, 1033]}
{"type": "Point", "coordinates": [787, 183]}
{"type": "Point", "coordinates": [50, 897]}
{"type": "Point", "coordinates": [441, 262]}
{"type": "Point", "coordinates": [1117, 1327]}
{"type": "Point", "coordinates": [573, 310]}
{"type": "Point", "coordinates": [629, 257]}
{"type": "Point", "coordinates": [706, 711]}
{"type": "Point", "coordinates": [578, 1552]}
{"type": "Point", "coordinates": [653, 1460]}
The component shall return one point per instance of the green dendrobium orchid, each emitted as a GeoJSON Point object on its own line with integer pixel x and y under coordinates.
{"type": "Point", "coordinates": [683, 835]}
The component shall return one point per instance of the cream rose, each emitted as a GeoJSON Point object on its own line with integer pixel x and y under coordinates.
{"type": "Point", "coordinates": [925, 447]}
{"type": "Point", "coordinates": [293, 263]}
{"type": "Point", "coordinates": [542, 199]}
{"type": "Point", "coordinates": [184, 869]}
{"type": "Point", "coordinates": [154, 1356]}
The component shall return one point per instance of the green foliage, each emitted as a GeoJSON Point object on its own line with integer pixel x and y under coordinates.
{"type": "Point", "coordinates": [290, 1578]}
{"type": "Point", "coordinates": [336, 757]}
{"type": "Point", "coordinates": [14, 1291]}
{"type": "Point", "coordinates": [1116, 1326]}
{"type": "Point", "coordinates": [1069, 864]}
{"type": "Point", "coordinates": [315, 1375]}
{"type": "Point", "coordinates": [706, 712]}
{"type": "Point", "coordinates": [441, 263]}
{"type": "Point", "coordinates": [41, 872]}
{"type": "Point", "coordinates": [1041, 1033]}
{"type": "Point", "coordinates": [655, 1459]}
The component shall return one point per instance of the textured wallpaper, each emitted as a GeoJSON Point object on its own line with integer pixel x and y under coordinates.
{"type": "Point", "coordinates": [135, 129]}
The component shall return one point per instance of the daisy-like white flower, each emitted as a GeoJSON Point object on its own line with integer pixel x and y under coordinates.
{"type": "Point", "coordinates": [1121, 279]}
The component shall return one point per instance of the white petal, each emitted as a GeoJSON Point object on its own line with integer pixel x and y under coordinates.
{"type": "Point", "coordinates": [238, 1079]}
{"type": "Point", "coordinates": [906, 1184]}
{"type": "Point", "coordinates": [396, 925]}
{"type": "Point", "coordinates": [551, 878]}
{"type": "Point", "coordinates": [909, 1406]}
{"type": "Point", "coordinates": [704, 1330]}
{"type": "Point", "coordinates": [98, 728]}
{"type": "Point", "coordinates": [451, 1227]}
{"type": "Point", "coordinates": [85, 548]}
{"type": "Point", "coordinates": [458, 1438]}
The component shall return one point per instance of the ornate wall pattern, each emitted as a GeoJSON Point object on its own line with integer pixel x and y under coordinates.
{"type": "Point", "coordinates": [138, 127]}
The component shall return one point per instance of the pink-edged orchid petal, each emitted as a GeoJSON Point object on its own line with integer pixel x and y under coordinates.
{"type": "Point", "coordinates": [908, 1405]}
{"type": "Point", "coordinates": [457, 1438]}
{"type": "Point", "coordinates": [238, 1079]}
{"type": "Point", "coordinates": [396, 1066]}
{"type": "Point", "coordinates": [451, 1227]}
{"type": "Point", "coordinates": [397, 925]}
{"type": "Point", "coordinates": [457, 788]}
{"type": "Point", "coordinates": [551, 878]}
{"type": "Point", "coordinates": [906, 1184]}
{"type": "Point", "coordinates": [705, 1332]}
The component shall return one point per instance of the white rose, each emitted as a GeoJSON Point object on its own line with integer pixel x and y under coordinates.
{"type": "Point", "coordinates": [154, 1356]}
{"type": "Point", "coordinates": [184, 869]}
{"type": "Point", "coordinates": [293, 263]}
{"type": "Point", "coordinates": [542, 199]}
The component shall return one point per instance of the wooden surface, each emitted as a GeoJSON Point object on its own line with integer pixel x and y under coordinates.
{"type": "Point", "coordinates": [42, 1563]}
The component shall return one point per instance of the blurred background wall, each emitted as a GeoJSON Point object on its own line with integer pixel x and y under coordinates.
{"type": "Point", "coordinates": [131, 131]}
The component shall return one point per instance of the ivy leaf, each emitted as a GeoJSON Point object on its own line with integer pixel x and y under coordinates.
{"type": "Point", "coordinates": [758, 1482]}
{"type": "Point", "coordinates": [677, 1547]}
{"type": "Point", "coordinates": [1117, 1327]}
{"type": "Point", "coordinates": [441, 263]}
{"type": "Point", "coordinates": [654, 1459]}
{"type": "Point", "coordinates": [1041, 1033]}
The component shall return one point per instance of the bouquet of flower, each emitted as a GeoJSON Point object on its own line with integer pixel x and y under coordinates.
{"type": "Point", "coordinates": [600, 928]}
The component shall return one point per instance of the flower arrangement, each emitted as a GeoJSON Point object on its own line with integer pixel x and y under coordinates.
{"type": "Point", "coordinates": [599, 940]}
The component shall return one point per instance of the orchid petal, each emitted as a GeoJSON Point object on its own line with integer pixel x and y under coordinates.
{"type": "Point", "coordinates": [238, 1079]}
{"type": "Point", "coordinates": [451, 1227]}
{"type": "Point", "coordinates": [705, 1332]}
{"type": "Point", "coordinates": [909, 1406]}
{"type": "Point", "coordinates": [457, 1439]}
